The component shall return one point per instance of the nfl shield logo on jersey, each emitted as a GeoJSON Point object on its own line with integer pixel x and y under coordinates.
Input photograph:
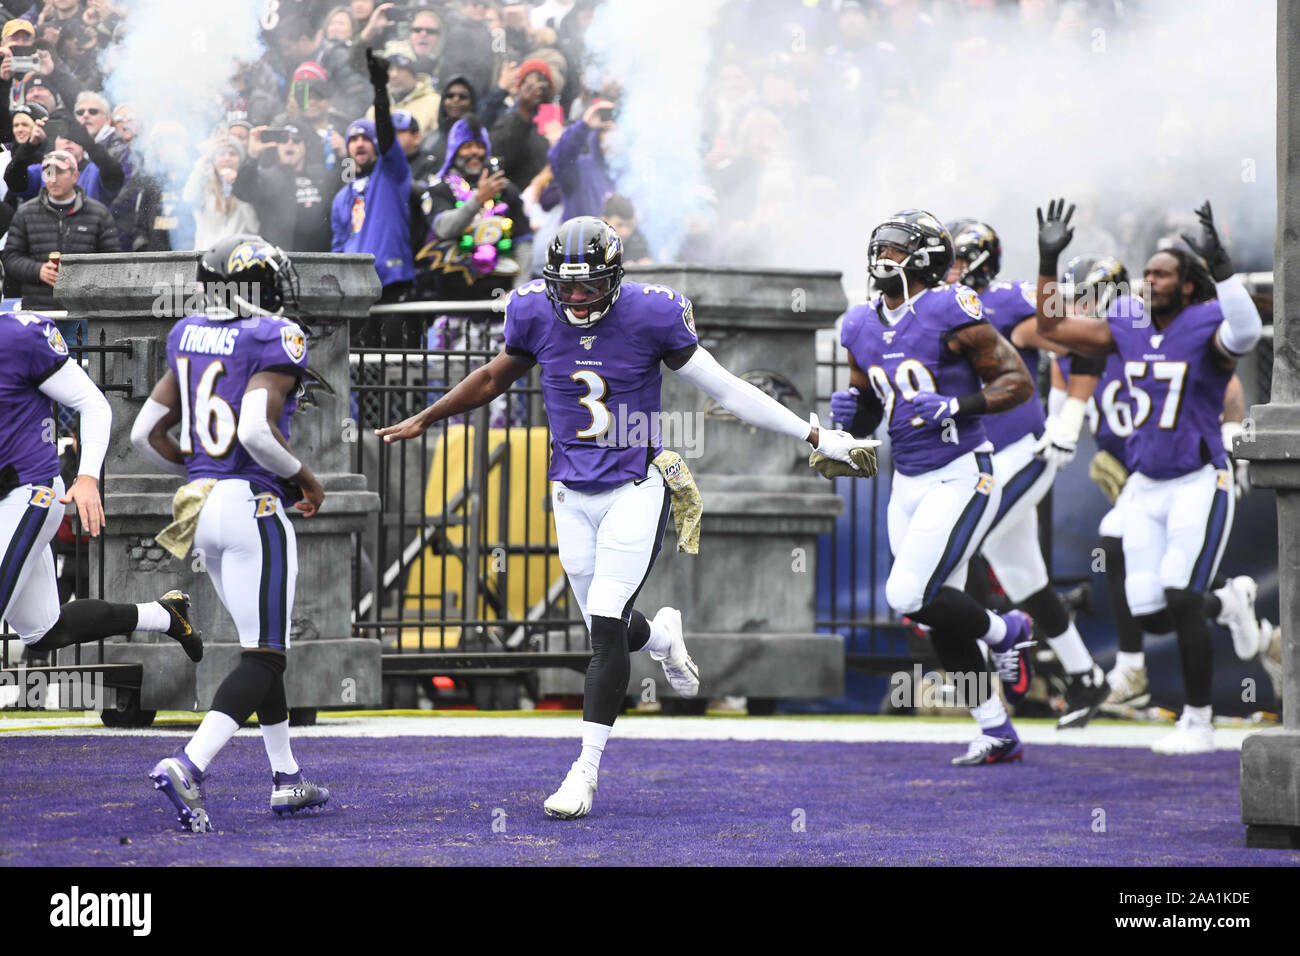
{"type": "Point", "coordinates": [294, 342]}
{"type": "Point", "coordinates": [587, 341]}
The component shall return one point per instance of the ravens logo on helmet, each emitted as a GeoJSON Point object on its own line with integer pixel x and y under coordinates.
{"type": "Point", "coordinates": [975, 243]}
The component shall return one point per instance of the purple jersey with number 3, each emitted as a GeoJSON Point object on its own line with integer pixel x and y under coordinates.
{"type": "Point", "coordinates": [911, 357]}
{"type": "Point", "coordinates": [213, 361]}
{"type": "Point", "coordinates": [1175, 388]}
{"type": "Point", "coordinates": [1006, 305]}
{"type": "Point", "coordinates": [601, 384]}
{"type": "Point", "coordinates": [33, 350]}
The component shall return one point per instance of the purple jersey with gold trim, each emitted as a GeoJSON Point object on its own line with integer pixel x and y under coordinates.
{"type": "Point", "coordinates": [213, 361]}
{"type": "Point", "coordinates": [33, 350]}
{"type": "Point", "coordinates": [911, 357]}
{"type": "Point", "coordinates": [601, 384]}
{"type": "Point", "coordinates": [1175, 387]}
{"type": "Point", "coordinates": [1109, 413]}
{"type": "Point", "coordinates": [1006, 305]}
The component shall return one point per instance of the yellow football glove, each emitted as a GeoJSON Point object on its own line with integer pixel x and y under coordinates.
{"type": "Point", "coordinates": [1105, 469]}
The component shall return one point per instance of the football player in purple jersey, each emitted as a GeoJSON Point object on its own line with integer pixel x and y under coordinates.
{"type": "Point", "coordinates": [1179, 355]}
{"type": "Point", "coordinates": [1097, 388]}
{"type": "Point", "coordinates": [925, 360]}
{"type": "Point", "coordinates": [1026, 458]}
{"type": "Point", "coordinates": [231, 386]}
{"type": "Point", "coordinates": [35, 372]}
{"type": "Point", "coordinates": [599, 342]}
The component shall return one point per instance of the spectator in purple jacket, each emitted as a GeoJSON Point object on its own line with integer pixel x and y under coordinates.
{"type": "Point", "coordinates": [578, 161]}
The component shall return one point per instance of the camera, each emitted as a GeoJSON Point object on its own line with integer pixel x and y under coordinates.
{"type": "Point", "coordinates": [25, 60]}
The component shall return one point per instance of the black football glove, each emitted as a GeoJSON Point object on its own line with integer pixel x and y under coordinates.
{"type": "Point", "coordinates": [377, 67]}
{"type": "Point", "coordinates": [1054, 234]}
{"type": "Point", "coordinates": [1210, 247]}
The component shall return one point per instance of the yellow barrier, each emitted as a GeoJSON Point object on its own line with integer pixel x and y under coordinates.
{"type": "Point", "coordinates": [527, 522]}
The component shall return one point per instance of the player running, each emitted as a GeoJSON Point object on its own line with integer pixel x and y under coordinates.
{"type": "Point", "coordinates": [36, 371]}
{"type": "Point", "coordinates": [599, 341]}
{"type": "Point", "coordinates": [1027, 452]}
{"type": "Point", "coordinates": [1178, 506]}
{"type": "Point", "coordinates": [924, 359]}
{"type": "Point", "coordinates": [1097, 390]}
{"type": "Point", "coordinates": [231, 384]}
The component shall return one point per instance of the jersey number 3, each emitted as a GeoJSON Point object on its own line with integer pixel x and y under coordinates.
{"type": "Point", "coordinates": [207, 416]}
{"type": "Point", "coordinates": [596, 390]}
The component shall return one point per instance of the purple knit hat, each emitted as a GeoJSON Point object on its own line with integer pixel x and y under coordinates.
{"type": "Point", "coordinates": [464, 131]}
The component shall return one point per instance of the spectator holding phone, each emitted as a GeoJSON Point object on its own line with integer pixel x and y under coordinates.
{"type": "Point", "coordinates": [372, 212]}
{"type": "Point", "coordinates": [479, 240]}
{"type": "Point", "coordinates": [290, 194]}
{"type": "Point", "coordinates": [519, 143]}
{"type": "Point", "coordinates": [101, 176]}
{"type": "Point", "coordinates": [578, 160]}
{"type": "Point", "coordinates": [210, 192]}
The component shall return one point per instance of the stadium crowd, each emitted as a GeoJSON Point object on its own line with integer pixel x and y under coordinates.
{"type": "Point", "coordinates": [511, 88]}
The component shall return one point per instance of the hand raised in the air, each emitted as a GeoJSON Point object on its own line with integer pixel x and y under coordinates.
{"type": "Point", "coordinates": [377, 67]}
{"type": "Point", "coordinates": [1054, 234]}
{"type": "Point", "coordinates": [1209, 246]}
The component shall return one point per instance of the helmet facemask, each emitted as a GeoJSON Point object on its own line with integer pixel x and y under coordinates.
{"type": "Point", "coordinates": [594, 297]}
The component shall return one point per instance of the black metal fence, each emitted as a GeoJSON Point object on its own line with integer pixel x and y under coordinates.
{"type": "Point", "coordinates": [461, 560]}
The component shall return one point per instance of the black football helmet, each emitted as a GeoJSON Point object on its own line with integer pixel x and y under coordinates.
{"type": "Point", "coordinates": [584, 270]}
{"type": "Point", "coordinates": [921, 237]}
{"type": "Point", "coordinates": [1101, 277]}
{"type": "Point", "coordinates": [978, 244]}
{"type": "Point", "coordinates": [248, 276]}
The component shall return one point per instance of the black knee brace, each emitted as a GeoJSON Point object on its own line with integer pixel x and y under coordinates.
{"type": "Point", "coordinates": [608, 672]}
{"type": "Point", "coordinates": [1127, 630]}
{"type": "Point", "coordinates": [274, 708]}
{"type": "Point", "coordinates": [1157, 622]}
{"type": "Point", "coordinates": [247, 686]}
{"type": "Point", "coordinates": [1048, 612]}
{"type": "Point", "coordinates": [638, 632]}
{"type": "Point", "coordinates": [956, 613]}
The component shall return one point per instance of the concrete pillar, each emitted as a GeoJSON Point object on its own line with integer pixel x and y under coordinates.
{"type": "Point", "coordinates": [750, 594]}
{"type": "Point", "coordinates": [1270, 759]}
{"type": "Point", "coordinates": [135, 300]}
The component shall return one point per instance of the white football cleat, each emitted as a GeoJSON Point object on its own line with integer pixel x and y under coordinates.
{"type": "Point", "coordinates": [573, 799]}
{"type": "Point", "coordinates": [1188, 738]}
{"type": "Point", "coordinates": [1128, 688]}
{"type": "Point", "coordinates": [681, 671]}
{"type": "Point", "coordinates": [1238, 615]}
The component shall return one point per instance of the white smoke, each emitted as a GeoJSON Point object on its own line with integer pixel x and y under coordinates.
{"type": "Point", "coordinates": [174, 67]}
{"type": "Point", "coordinates": [1133, 120]}
{"type": "Point", "coordinates": [660, 54]}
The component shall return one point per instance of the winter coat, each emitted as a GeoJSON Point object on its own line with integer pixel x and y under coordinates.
{"type": "Point", "coordinates": [40, 227]}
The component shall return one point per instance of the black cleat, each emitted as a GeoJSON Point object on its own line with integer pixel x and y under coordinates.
{"type": "Point", "coordinates": [1084, 695]}
{"type": "Point", "coordinates": [177, 604]}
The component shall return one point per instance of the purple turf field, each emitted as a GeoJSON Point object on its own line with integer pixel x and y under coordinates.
{"type": "Point", "coordinates": [68, 800]}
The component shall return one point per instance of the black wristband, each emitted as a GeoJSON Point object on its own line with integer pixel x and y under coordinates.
{"type": "Point", "coordinates": [973, 404]}
{"type": "Point", "coordinates": [1087, 364]}
{"type": "Point", "coordinates": [1047, 265]}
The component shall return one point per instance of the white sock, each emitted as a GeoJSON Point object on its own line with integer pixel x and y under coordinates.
{"type": "Point", "coordinates": [213, 734]}
{"type": "Point", "coordinates": [593, 744]}
{"type": "Point", "coordinates": [661, 642]}
{"type": "Point", "coordinates": [278, 751]}
{"type": "Point", "coordinates": [1228, 600]}
{"type": "Point", "coordinates": [1074, 657]}
{"type": "Point", "coordinates": [1131, 660]}
{"type": "Point", "coordinates": [997, 632]}
{"type": "Point", "coordinates": [153, 617]}
{"type": "Point", "coordinates": [991, 713]}
{"type": "Point", "coordinates": [1200, 716]}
